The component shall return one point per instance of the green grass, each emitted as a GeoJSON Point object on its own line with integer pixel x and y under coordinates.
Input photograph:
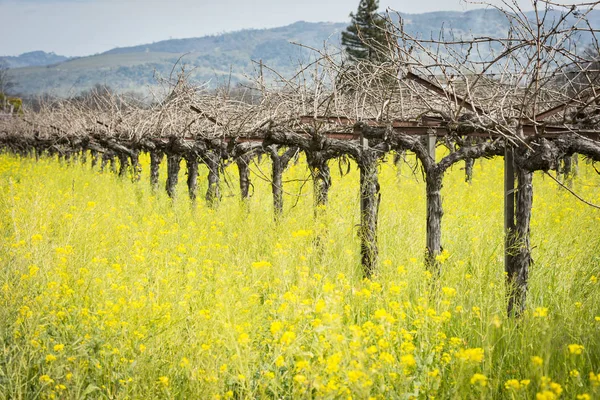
{"type": "Point", "coordinates": [109, 290]}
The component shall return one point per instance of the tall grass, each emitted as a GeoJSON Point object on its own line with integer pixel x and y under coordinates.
{"type": "Point", "coordinates": [109, 290]}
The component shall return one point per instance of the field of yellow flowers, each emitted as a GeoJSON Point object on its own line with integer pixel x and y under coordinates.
{"type": "Point", "coordinates": [110, 290]}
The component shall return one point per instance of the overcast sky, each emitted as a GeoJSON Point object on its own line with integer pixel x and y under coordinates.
{"type": "Point", "coordinates": [83, 27]}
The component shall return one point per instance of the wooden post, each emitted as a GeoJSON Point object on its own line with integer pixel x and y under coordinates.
{"type": "Point", "coordinates": [520, 259]}
{"type": "Point", "coordinates": [509, 204]}
{"type": "Point", "coordinates": [431, 141]}
{"type": "Point", "coordinates": [433, 187]}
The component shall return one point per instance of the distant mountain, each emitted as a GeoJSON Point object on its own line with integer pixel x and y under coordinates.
{"type": "Point", "coordinates": [229, 57]}
{"type": "Point", "coordinates": [32, 59]}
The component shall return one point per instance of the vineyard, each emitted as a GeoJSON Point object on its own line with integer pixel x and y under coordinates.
{"type": "Point", "coordinates": [316, 265]}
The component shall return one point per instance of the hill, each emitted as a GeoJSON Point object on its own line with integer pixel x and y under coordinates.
{"type": "Point", "coordinates": [229, 57]}
{"type": "Point", "coordinates": [32, 59]}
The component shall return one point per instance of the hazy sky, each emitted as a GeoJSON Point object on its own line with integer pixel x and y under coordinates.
{"type": "Point", "coordinates": [83, 27]}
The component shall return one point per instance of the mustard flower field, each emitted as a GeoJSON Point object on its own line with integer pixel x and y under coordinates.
{"type": "Point", "coordinates": [110, 290]}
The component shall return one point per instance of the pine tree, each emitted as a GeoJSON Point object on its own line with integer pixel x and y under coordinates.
{"type": "Point", "coordinates": [364, 38]}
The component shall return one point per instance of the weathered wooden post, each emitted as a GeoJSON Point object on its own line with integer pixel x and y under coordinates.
{"type": "Point", "coordinates": [509, 204]}
{"type": "Point", "coordinates": [517, 217]}
{"type": "Point", "coordinates": [518, 271]}
{"type": "Point", "coordinates": [433, 187]}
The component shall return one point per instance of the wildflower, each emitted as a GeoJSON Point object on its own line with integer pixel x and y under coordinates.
{"type": "Point", "coordinates": [540, 312]}
{"type": "Point", "coordinates": [276, 326]}
{"type": "Point", "coordinates": [302, 233]}
{"type": "Point", "coordinates": [244, 338]}
{"type": "Point", "coordinates": [584, 396]}
{"type": "Point", "coordinates": [287, 338]}
{"type": "Point", "coordinates": [536, 360]}
{"type": "Point", "coordinates": [300, 379]}
{"type": "Point", "coordinates": [441, 258]}
{"type": "Point", "coordinates": [434, 374]}
{"type": "Point", "coordinates": [333, 362]}
{"type": "Point", "coordinates": [408, 360]}
{"type": "Point", "coordinates": [574, 373]}
{"type": "Point", "coordinates": [59, 347]}
{"type": "Point", "coordinates": [164, 380]}
{"type": "Point", "coordinates": [261, 264]}
{"type": "Point", "coordinates": [512, 384]}
{"type": "Point", "coordinates": [576, 349]}
{"type": "Point", "coordinates": [50, 358]}
{"type": "Point", "coordinates": [545, 395]}
{"type": "Point", "coordinates": [355, 376]}
{"type": "Point", "coordinates": [595, 379]}
{"type": "Point", "coordinates": [302, 365]}
{"type": "Point", "coordinates": [471, 355]}
{"type": "Point", "coordinates": [46, 379]}
{"type": "Point", "coordinates": [479, 379]}
{"type": "Point", "coordinates": [184, 362]}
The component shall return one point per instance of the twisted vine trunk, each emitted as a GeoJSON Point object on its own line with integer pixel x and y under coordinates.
{"type": "Point", "coordinates": [244, 174]}
{"type": "Point", "coordinates": [104, 162]}
{"type": "Point", "coordinates": [94, 154]}
{"type": "Point", "coordinates": [469, 162]}
{"type": "Point", "coordinates": [113, 163]}
{"type": "Point", "coordinates": [173, 166]}
{"type": "Point", "coordinates": [519, 254]}
{"type": "Point", "coordinates": [123, 164]}
{"type": "Point", "coordinates": [191, 161]}
{"type": "Point", "coordinates": [155, 160]}
{"type": "Point", "coordinates": [321, 176]}
{"type": "Point", "coordinates": [136, 167]}
{"type": "Point", "coordinates": [213, 194]}
{"type": "Point", "coordinates": [369, 210]}
{"type": "Point", "coordinates": [279, 164]}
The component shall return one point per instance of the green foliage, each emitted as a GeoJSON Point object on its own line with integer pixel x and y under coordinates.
{"type": "Point", "coordinates": [364, 38]}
